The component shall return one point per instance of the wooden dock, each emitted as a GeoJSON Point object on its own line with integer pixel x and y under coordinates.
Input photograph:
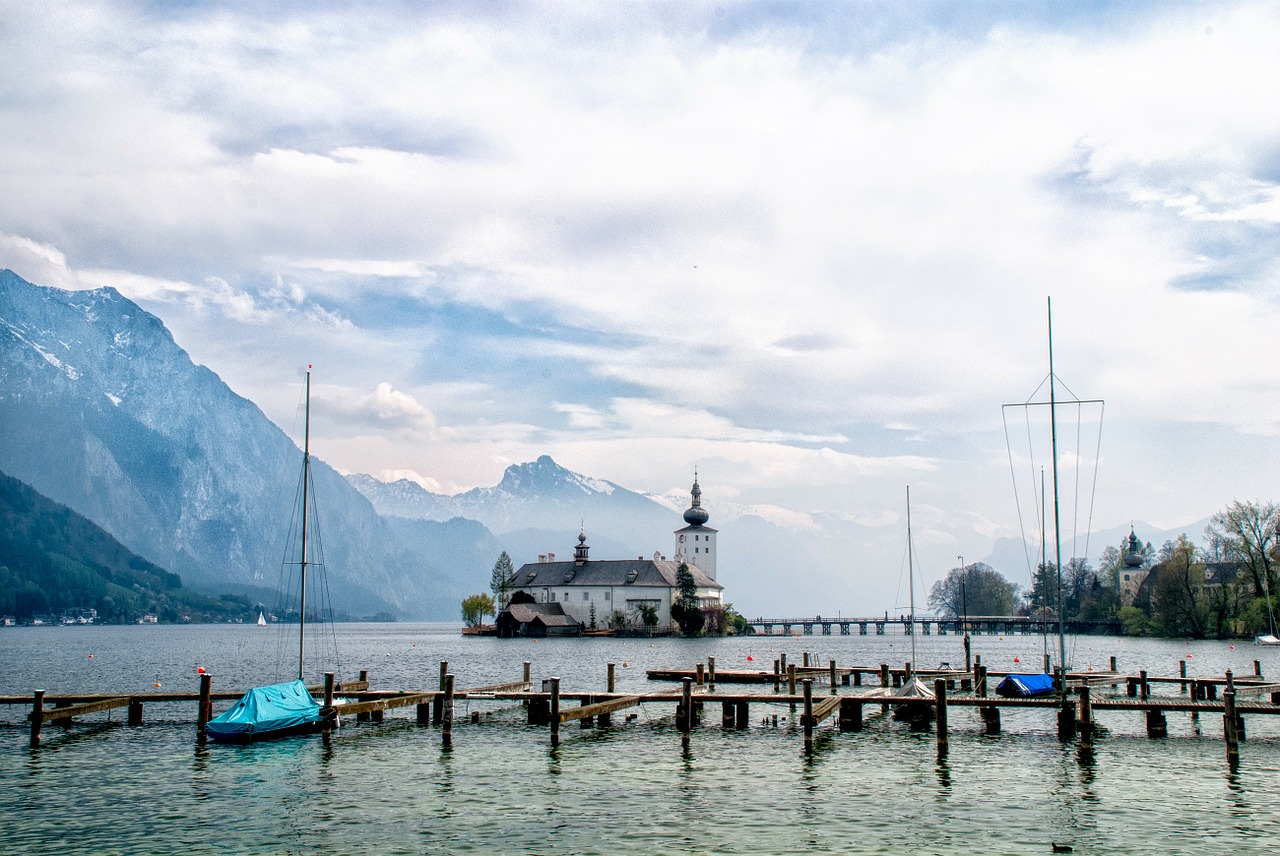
{"type": "Point", "coordinates": [798, 689]}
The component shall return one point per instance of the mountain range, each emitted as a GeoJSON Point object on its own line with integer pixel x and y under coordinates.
{"type": "Point", "coordinates": [103, 412]}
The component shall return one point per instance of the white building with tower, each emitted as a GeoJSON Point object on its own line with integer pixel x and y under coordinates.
{"type": "Point", "coordinates": [589, 591]}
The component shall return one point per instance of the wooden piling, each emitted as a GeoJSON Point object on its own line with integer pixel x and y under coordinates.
{"type": "Point", "coordinates": [527, 672]}
{"type": "Point", "coordinates": [777, 675]}
{"type": "Point", "coordinates": [1182, 673]}
{"type": "Point", "coordinates": [1257, 668]}
{"type": "Point", "coordinates": [205, 709]}
{"type": "Point", "coordinates": [446, 730]}
{"type": "Point", "coordinates": [728, 716]}
{"type": "Point", "coordinates": [808, 716]}
{"type": "Point", "coordinates": [1144, 687]}
{"type": "Point", "coordinates": [37, 718]}
{"type": "Point", "coordinates": [437, 704]}
{"type": "Point", "coordinates": [135, 712]}
{"type": "Point", "coordinates": [684, 715]}
{"type": "Point", "coordinates": [806, 659]}
{"type": "Point", "coordinates": [990, 719]}
{"type": "Point", "coordinates": [940, 697]}
{"type": "Point", "coordinates": [1067, 720]}
{"type": "Point", "coordinates": [1229, 722]}
{"type": "Point", "coordinates": [711, 673]}
{"type": "Point", "coordinates": [832, 667]}
{"type": "Point", "coordinates": [701, 674]}
{"type": "Point", "coordinates": [610, 681]}
{"type": "Point", "coordinates": [555, 711]}
{"type": "Point", "coordinates": [884, 682]}
{"type": "Point", "coordinates": [791, 684]}
{"type": "Point", "coordinates": [1086, 719]}
{"type": "Point", "coordinates": [1157, 725]}
{"type": "Point", "coordinates": [850, 714]}
{"type": "Point", "coordinates": [327, 707]}
{"type": "Point", "coordinates": [742, 713]}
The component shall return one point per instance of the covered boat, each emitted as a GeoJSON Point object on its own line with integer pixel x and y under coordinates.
{"type": "Point", "coordinates": [271, 711]}
{"type": "Point", "coordinates": [1022, 686]}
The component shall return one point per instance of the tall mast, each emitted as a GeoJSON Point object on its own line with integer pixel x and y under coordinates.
{"type": "Point", "coordinates": [1057, 529]}
{"type": "Point", "coordinates": [911, 584]}
{"type": "Point", "coordinates": [306, 489]}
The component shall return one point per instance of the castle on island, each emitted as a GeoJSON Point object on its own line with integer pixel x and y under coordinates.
{"type": "Point", "coordinates": [551, 598]}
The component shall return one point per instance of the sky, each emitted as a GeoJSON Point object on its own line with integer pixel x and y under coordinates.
{"type": "Point", "coordinates": [807, 248]}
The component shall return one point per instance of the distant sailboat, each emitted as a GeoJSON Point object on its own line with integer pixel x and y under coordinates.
{"type": "Point", "coordinates": [915, 695]}
{"type": "Point", "coordinates": [287, 708]}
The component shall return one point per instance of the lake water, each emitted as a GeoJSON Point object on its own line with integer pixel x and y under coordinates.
{"type": "Point", "coordinates": [103, 788]}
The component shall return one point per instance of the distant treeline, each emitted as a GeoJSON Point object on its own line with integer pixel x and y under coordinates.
{"type": "Point", "coordinates": [53, 560]}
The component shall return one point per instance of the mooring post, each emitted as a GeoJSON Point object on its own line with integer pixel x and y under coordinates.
{"type": "Point", "coordinates": [884, 683]}
{"type": "Point", "coordinates": [446, 733]}
{"type": "Point", "coordinates": [1229, 727]}
{"type": "Point", "coordinates": [437, 704]}
{"type": "Point", "coordinates": [1046, 664]}
{"type": "Point", "coordinates": [742, 713]}
{"type": "Point", "coordinates": [554, 718]}
{"type": "Point", "coordinates": [1182, 673]}
{"type": "Point", "coordinates": [850, 714]}
{"type": "Point", "coordinates": [727, 715]}
{"type": "Point", "coordinates": [783, 660]}
{"type": "Point", "coordinates": [1157, 725]}
{"type": "Point", "coordinates": [205, 709]}
{"type": "Point", "coordinates": [1086, 719]}
{"type": "Point", "coordinates": [37, 718]}
{"type": "Point", "coordinates": [684, 716]}
{"type": "Point", "coordinates": [777, 675]}
{"type": "Point", "coordinates": [940, 696]}
{"type": "Point", "coordinates": [791, 685]}
{"type": "Point", "coordinates": [528, 673]}
{"type": "Point", "coordinates": [968, 660]}
{"type": "Point", "coordinates": [834, 688]}
{"type": "Point", "coordinates": [1143, 685]}
{"type": "Point", "coordinates": [327, 708]}
{"type": "Point", "coordinates": [806, 659]}
{"type": "Point", "coordinates": [135, 711]}
{"type": "Point", "coordinates": [990, 718]}
{"type": "Point", "coordinates": [808, 716]}
{"type": "Point", "coordinates": [711, 672]}
{"type": "Point", "coordinates": [1257, 668]}
{"type": "Point", "coordinates": [611, 677]}
{"type": "Point", "coordinates": [1067, 720]}
{"type": "Point", "coordinates": [980, 682]}
{"type": "Point", "coordinates": [1113, 668]}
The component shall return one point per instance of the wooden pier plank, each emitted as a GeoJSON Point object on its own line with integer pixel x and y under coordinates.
{"type": "Point", "coordinates": [50, 714]}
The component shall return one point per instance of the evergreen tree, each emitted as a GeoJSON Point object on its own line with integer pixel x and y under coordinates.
{"type": "Point", "coordinates": [500, 581]}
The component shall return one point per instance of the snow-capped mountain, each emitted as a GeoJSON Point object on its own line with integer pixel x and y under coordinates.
{"type": "Point", "coordinates": [101, 411]}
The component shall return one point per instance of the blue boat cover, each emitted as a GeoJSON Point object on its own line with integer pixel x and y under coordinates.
{"type": "Point", "coordinates": [1025, 685]}
{"type": "Point", "coordinates": [265, 712]}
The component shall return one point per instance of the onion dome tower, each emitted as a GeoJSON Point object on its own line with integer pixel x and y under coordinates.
{"type": "Point", "coordinates": [696, 542]}
{"type": "Point", "coordinates": [1133, 551]}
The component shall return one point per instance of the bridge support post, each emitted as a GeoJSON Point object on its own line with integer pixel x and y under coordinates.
{"type": "Point", "coordinates": [850, 714]}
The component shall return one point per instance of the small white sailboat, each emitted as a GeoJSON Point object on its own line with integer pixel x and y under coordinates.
{"type": "Point", "coordinates": [915, 696]}
{"type": "Point", "coordinates": [262, 619]}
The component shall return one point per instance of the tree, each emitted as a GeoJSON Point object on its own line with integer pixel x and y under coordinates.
{"type": "Point", "coordinates": [475, 608]}
{"type": "Point", "coordinates": [984, 590]}
{"type": "Point", "coordinates": [500, 580]}
{"type": "Point", "coordinates": [1246, 532]}
{"type": "Point", "coordinates": [1179, 598]}
{"type": "Point", "coordinates": [686, 610]}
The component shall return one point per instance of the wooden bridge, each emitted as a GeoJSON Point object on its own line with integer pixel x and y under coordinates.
{"type": "Point", "coordinates": [975, 625]}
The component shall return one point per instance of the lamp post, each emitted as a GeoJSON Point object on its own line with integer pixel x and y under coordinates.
{"type": "Point", "coordinates": [964, 605]}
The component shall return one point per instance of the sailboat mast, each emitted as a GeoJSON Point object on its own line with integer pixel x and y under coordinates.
{"type": "Point", "coordinates": [1057, 527]}
{"type": "Point", "coordinates": [306, 489]}
{"type": "Point", "coordinates": [911, 584]}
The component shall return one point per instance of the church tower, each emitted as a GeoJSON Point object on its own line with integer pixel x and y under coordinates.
{"type": "Point", "coordinates": [696, 542]}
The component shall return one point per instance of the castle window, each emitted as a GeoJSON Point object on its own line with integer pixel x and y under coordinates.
{"type": "Point", "coordinates": [586, 596]}
{"type": "Point", "coordinates": [553, 597]}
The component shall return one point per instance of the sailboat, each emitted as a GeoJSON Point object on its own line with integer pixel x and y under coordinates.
{"type": "Point", "coordinates": [915, 696]}
{"type": "Point", "coordinates": [287, 708]}
{"type": "Point", "coordinates": [1044, 683]}
{"type": "Point", "coordinates": [262, 619]}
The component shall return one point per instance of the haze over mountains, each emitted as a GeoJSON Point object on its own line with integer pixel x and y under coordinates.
{"type": "Point", "coordinates": [101, 411]}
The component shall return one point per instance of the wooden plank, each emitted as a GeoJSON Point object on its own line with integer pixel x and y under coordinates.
{"type": "Point", "coordinates": [825, 708]}
{"type": "Point", "coordinates": [518, 686]}
{"type": "Point", "coordinates": [570, 713]}
{"type": "Point", "coordinates": [50, 714]}
{"type": "Point", "coordinates": [372, 705]}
